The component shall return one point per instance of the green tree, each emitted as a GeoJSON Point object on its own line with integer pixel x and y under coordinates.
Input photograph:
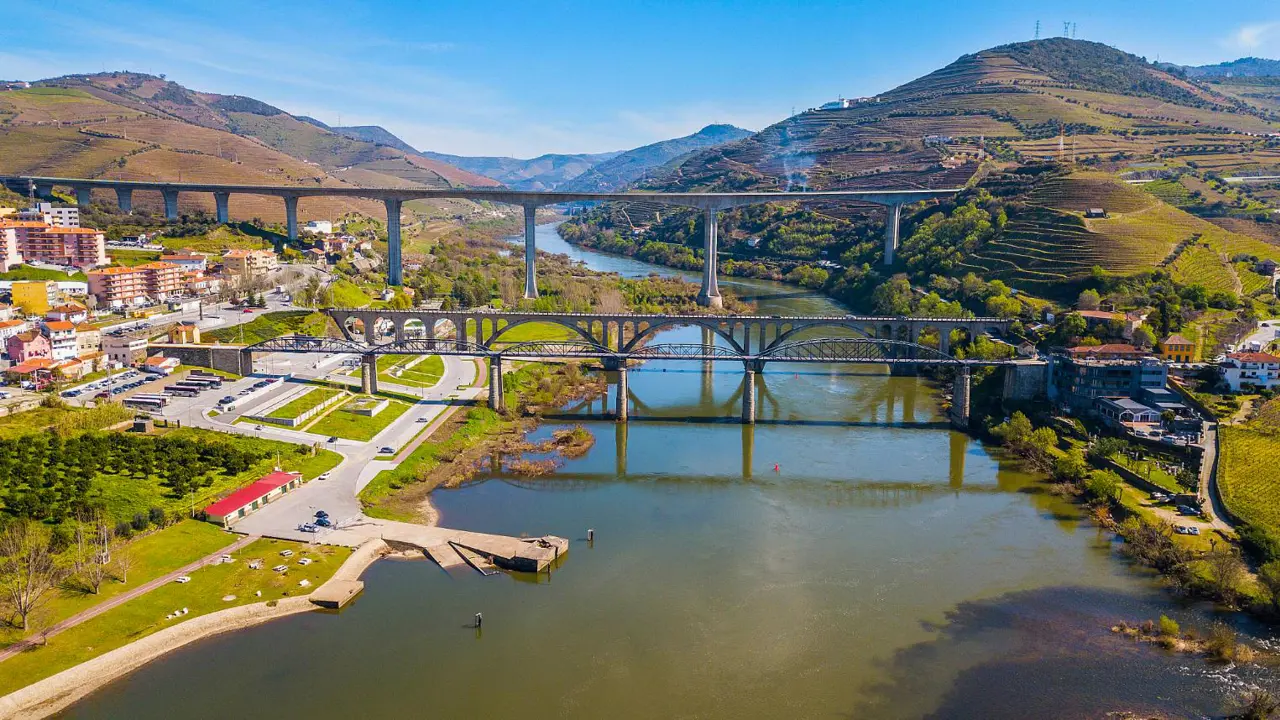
{"type": "Point", "coordinates": [1088, 300]}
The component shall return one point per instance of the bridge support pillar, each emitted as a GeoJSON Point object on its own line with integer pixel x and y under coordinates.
{"type": "Point", "coordinates": [748, 450]}
{"type": "Point", "coordinates": [44, 190]}
{"type": "Point", "coordinates": [620, 402]}
{"type": "Point", "coordinates": [903, 370]}
{"type": "Point", "coordinates": [749, 397]}
{"type": "Point", "coordinates": [124, 199]}
{"type": "Point", "coordinates": [395, 270]}
{"type": "Point", "coordinates": [220, 202]}
{"type": "Point", "coordinates": [620, 449]}
{"type": "Point", "coordinates": [291, 216]}
{"type": "Point", "coordinates": [710, 294]}
{"type": "Point", "coordinates": [891, 232]}
{"type": "Point", "coordinates": [83, 197]}
{"type": "Point", "coordinates": [960, 400]}
{"type": "Point", "coordinates": [170, 204]}
{"type": "Point", "coordinates": [369, 374]}
{"type": "Point", "coordinates": [497, 402]}
{"type": "Point", "coordinates": [530, 252]}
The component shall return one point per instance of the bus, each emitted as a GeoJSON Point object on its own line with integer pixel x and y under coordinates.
{"type": "Point", "coordinates": [144, 403]}
{"type": "Point", "coordinates": [217, 380]}
{"type": "Point", "coordinates": [151, 396]}
{"type": "Point", "coordinates": [182, 391]}
{"type": "Point", "coordinates": [202, 382]}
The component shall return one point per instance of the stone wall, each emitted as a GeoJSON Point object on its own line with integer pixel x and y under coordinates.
{"type": "Point", "coordinates": [227, 358]}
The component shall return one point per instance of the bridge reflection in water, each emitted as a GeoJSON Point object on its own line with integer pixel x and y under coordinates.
{"type": "Point", "coordinates": [879, 405]}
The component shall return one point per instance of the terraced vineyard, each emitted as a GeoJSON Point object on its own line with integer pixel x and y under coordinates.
{"type": "Point", "coordinates": [1201, 265]}
{"type": "Point", "coordinates": [1247, 467]}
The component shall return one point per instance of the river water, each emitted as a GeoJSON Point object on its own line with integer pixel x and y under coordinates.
{"type": "Point", "coordinates": [848, 557]}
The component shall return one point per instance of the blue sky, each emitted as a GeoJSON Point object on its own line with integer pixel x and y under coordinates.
{"type": "Point", "coordinates": [525, 78]}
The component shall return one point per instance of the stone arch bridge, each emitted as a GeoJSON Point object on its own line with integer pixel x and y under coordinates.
{"type": "Point", "coordinates": [615, 340]}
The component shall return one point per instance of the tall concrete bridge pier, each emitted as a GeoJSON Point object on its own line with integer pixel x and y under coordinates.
{"type": "Point", "coordinates": [394, 198]}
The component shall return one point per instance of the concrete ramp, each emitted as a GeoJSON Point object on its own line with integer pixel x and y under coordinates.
{"type": "Point", "coordinates": [476, 560]}
{"type": "Point", "coordinates": [445, 556]}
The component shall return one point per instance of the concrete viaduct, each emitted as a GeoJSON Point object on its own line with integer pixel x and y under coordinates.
{"type": "Point", "coordinates": [394, 198]}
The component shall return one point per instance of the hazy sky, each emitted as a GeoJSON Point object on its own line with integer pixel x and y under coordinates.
{"type": "Point", "coordinates": [525, 78]}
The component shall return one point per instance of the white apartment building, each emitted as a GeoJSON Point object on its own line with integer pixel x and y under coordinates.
{"type": "Point", "coordinates": [65, 217]}
{"type": "Point", "coordinates": [1250, 368]}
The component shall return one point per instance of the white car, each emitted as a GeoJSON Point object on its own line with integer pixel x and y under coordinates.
{"type": "Point", "coordinates": [182, 579]}
{"type": "Point", "coordinates": [280, 568]}
{"type": "Point", "coordinates": [305, 561]}
{"type": "Point", "coordinates": [286, 553]}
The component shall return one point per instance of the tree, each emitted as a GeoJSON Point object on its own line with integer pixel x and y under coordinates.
{"type": "Point", "coordinates": [1269, 577]}
{"type": "Point", "coordinates": [1143, 338]}
{"type": "Point", "coordinates": [28, 569]}
{"type": "Point", "coordinates": [1226, 571]}
{"type": "Point", "coordinates": [93, 551]}
{"type": "Point", "coordinates": [1088, 300]}
{"type": "Point", "coordinates": [122, 558]}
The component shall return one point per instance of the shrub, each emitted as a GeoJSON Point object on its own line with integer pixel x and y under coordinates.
{"type": "Point", "coordinates": [1169, 627]}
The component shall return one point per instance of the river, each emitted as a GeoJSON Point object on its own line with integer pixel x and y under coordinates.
{"type": "Point", "coordinates": [849, 556]}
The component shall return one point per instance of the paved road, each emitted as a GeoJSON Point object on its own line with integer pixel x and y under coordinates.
{"type": "Point", "coordinates": [1265, 333]}
{"type": "Point", "coordinates": [336, 494]}
{"type": "Point", "coordinates": [124, 597]}
{"type": "Point", "coordinates": [1209, 481]}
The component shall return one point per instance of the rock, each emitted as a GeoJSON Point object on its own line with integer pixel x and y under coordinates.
{"type": "Point", "coordinates": [228, 598]}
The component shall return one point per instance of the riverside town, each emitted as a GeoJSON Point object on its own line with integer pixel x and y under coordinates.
{"type": "Point", "coordinates": [896, 370]}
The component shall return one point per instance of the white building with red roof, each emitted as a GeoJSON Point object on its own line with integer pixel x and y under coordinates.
{"type": "Point", "coordinates": [1256, 369]}
{"type": "Point", "coordinates": [230, 509]}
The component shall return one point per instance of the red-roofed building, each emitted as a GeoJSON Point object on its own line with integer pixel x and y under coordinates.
{"type": "Point", "coordinates": [1257, 369]}
{"type": "Point", "coordinates": [1113, 351]}
{"type": "Point", "coordinates": [28, 345]}
{"type": "Point", "coordinates": [240, 503]}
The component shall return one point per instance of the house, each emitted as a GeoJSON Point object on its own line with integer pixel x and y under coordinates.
{"type": "Point", "coordinates": [36, 370]}
{"type": "Point", "coordinates": [1252, 369]}
{"type": "Point", "coordinates": [320, 227]}
{"type": "Point", "coordinates": [68, 312]}
{"type": "Point", "coordinates": [240, 503]}
{"type": "Point", "coordinates": [1125, 411]}
{"type": "Point", "coordinates": [88, 340]}
{"type": "Point", "coordinates": [1176, 348]}
{"type": "Point", "coordinates": [160, 364]}
{"type": "Point", "coordinates": [6, 312]}
{"type": "Point", "coordinates": [315, 256]}
{"type": "Point", "coordinates": [1110, 351]}
{"type": "Point", "coordinates": [28, 345]}
{"type": "Point", "coordinates": [47, 214]}
{"type": "Point", "coordinates": [188, 260]}
{"type": "Point", "coordinates": [1095, 213]}
{"type": "Point", "coordinates": [62, 339]}
{"type": "Point", "coordinates": [184, 333]}
{"type": "Point", "coordinates": [248, 263]}
{"type": "Point", "coordinates": [1094, 319]}
{"type": "Point", "coordinates": [197, 283]}
{"type": "Point", "coordinates": [123, 350]}
{"type": "Point", "coordinates": [9, 328]}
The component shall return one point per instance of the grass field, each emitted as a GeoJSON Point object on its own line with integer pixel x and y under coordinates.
{"type": "Point", "coordinates": [530, 332]}
{"type": "Point", "coordinates": [152, 555]}
{"type": "Point", "coordinates": [303, 403]}
{"type": "Point", "coordinates": [350, 426]}
{"type": "Point", "coordinates": [348, 294]}
{"type": "Point", "coordinates": [145, 615]}
{"type": "Point", "coordinates": [271, 325]}
{"type": "Point", "coordinates": [216, 241]}
{"type": "Point", "coordinates": [25, 272]}
{"type": "Point", "coordinates": [65, 419]}
{"type": "Point", "coordinates": [130, 258]}
{"type": "Point", "coordinates": [1247, 468]}
{"type": "Point", "coordinates": [423, 374]}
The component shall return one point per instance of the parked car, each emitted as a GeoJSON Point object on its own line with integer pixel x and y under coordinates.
{"type": "Point", "coordinates": [182, 579]}
{"type": "Point", "coordinates": [323, 522]}
{"type": "Point", "coordinates": [280, 568]}
{"type": "Point", "coordinates": [387, 451]}
{"type": "Point", "coordinates": [286, 553]}
{"type": "Point", "coordinates": [307, 527]}
{"type": "Point", "coordinates": [226, 400]}
{"type": "Point", "coordinates": [1187, 510]}
{"type": "Point", "coordinates": [305, 561]}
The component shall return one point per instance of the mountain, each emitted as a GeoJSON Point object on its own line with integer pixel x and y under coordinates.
{"type": "Point", "coordinates": [377, 135]}
{"type": "Point", "coordinates": [1040, 131]}
{"type": "Point", "coordinates": [136, 126]}
{"type": "Point", "coordinates": [1244, 67]}
{"type": "Point", "coordinates": [545, 172]}
{"type": "Point", "coordinates": [624, 169]}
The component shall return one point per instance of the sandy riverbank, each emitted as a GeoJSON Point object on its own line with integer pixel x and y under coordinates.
{"type": "Point", "coordinates": [55, 693]}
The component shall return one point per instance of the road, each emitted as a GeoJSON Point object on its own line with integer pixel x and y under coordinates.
{"type": "Point", "coordinates": [1264, 335]}
{"type": "Point", "coordinates": [1216, 513]}
{"type": "Point", "coordinates": [336, 494]}
{"type": "Point", "coordinates": [96, 610]}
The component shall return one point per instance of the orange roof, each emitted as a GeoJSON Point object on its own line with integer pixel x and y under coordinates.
{"type": "Point", "coordinates": [1177, 339]}
{"type": "Point", "coordinates": [1256, 357]}
{"type": "Point", "coordinates": [86, 327]}
{"type": "Point", "coordinates": [28, 336]}
{"type": "Point", "coordinates": [12, 323]}
{"type": "Point", "coordinates": [1099, 314]}
{"type": "Point", "coordinates": [31, 366]}
{"type": "Point", "coordinates": [113, 271]}
{"type": "Point", "coordinates": [158, 266]}
{"type": "Point", "coordinates": [72, 231]}
{"type": "Point", "coordinates": [59, 325]}
{"type": "Point", "coordinates": [172, 258]}
{"type": "Point", "coordinates": [22, 224]}
{"type": "Point", "coordinates": [68, 308]}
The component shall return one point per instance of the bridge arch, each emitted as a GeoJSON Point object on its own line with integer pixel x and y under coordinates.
{"type": "Point", "coordinates": [857, 349]}
{"type": "Point", "coordinates": [706, 322]}
{"type": "Point", "coordinates": [784, 336]}
{"type": "Point", "coordinates": [585, 334]}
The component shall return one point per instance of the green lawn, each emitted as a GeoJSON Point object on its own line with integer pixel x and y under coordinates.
{"type": "Point", "coordinates": [424, 374]}
{"type": "Point", "coordinates": [66, 419]}
{"type": "Point", "coordinates": [211, 371]}
{"type": "Point", "coordinates": [152, 555]}
{"type": "Point", "coordinates": [350, 426]}
{"type": "Point", "coordinates": [25, 272]}
{"type": "Point", "coordinates": [145, 615]}
{"type": "Point", "coordinates": [348, 294]}
{"type": "Point", "coordinates": [530, 332]}
{"type": "Point", "coordinates": [217, 241]}
{"type": "Point", "coordinates": [130, 258]}
{"type": "Point", "coordinates": [1150, 471]}
{"type": "Point", "coordinates": [271, 325]}
{"type": "Point", "coordinates": [303, 403]}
